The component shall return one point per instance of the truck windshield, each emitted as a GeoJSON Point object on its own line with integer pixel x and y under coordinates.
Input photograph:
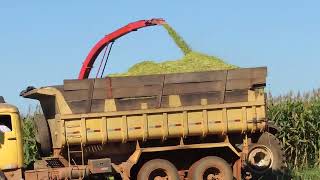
{"type": "Point", "coordinates": [5, 123]}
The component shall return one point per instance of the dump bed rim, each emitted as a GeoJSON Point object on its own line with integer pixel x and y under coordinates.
{"type": "Point", "coordinates": [163, 110]}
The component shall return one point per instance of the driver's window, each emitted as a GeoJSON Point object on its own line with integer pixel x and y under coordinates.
{"type": "Point", "coordinates": [5, 123]}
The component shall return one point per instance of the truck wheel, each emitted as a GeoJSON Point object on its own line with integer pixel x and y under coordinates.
{"type": "Point", "coordinates": [266, 158]}
{"type": "Point", "coordinates": [158, 169]}
{"type": "Point", "coordinates": [210, 167]}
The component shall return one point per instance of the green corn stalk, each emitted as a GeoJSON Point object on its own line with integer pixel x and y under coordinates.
{"type": "Point", "coordinates": [29, 141]}
{"type": "Point", "coordinates": [30, 147]}
{"type": "Point", "coordinates": [299, 118]}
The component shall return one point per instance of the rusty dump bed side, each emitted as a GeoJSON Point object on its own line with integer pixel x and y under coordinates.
{"type": "Point", "coordinates": [121, 109]}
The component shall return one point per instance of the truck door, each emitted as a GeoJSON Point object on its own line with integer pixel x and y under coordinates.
{"type": "Point", "coordinates": [8, 143]}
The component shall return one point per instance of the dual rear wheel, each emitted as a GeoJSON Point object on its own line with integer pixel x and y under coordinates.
{"type": "Point", "coordinates": [265, 161]}
{"type": "Point", "coordinates": [208, 168]}
{"type": "Point", "coordinates": [158, 169]}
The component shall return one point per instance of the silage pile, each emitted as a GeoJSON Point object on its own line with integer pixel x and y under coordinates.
{"type": "Point", "coordinates": [191, 61]}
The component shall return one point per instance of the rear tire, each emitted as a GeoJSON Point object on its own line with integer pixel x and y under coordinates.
{"type": "Point", "coordinates": [210, 167]}
{"type": "Point", "coordinates": [277, 168]}
{"type": "Point", "coordinates": [158, 168]}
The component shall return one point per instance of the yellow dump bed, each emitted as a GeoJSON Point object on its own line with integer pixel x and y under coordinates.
{"type": "Point", "coordinates": [154, 107]}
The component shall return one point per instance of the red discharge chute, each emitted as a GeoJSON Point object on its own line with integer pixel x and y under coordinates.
{"type": "Point", "coordinates": [95, 51]}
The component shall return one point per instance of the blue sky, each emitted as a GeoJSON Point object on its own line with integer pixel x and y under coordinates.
{"type": "Point", "coordinates": [42, 43]}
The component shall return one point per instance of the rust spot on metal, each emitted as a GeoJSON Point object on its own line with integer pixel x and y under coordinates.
{"type": "Point", "coordinates": [74, 132]}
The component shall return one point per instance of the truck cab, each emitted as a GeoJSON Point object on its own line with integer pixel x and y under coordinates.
{"type": "Point", "coordinates": [11, 149]}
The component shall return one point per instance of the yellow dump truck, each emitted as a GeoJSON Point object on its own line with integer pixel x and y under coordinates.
{"type": "Point", "coordinates": [200, 125]}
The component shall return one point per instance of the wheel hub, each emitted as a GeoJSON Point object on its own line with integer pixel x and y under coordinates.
{"type": "Point", "coordinates": [160, 178]}
{"type": "Point", "coordinates": [214, 177]}
{"type": "Point", "coordinates": [260, 158]}
{"type": "Point", "coordinates": [213, 174]}
{"type": "Point", "coordinates": [159, 174]}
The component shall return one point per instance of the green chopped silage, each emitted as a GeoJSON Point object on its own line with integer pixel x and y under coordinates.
{"type": "Point", "coordinates": [185, 48]}
{"type": "Point", "coordinates": [191, 61]}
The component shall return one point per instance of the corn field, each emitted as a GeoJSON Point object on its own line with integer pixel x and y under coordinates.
{"type": "Point", "coordinates": [298, 116]}
{"type": "Point", "coordinates": [30, 148]}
